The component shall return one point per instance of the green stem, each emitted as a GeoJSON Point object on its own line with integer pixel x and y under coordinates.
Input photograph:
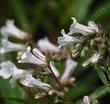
{"type": "Point", "coordinates": [60, 86]}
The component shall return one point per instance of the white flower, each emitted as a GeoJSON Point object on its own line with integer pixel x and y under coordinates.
{"type": "Point", "coordinates": [86, 100]}
{"type": "Point", "coordinates": [84, 30]}
{"type": "Point", "coordinates": [46, 45]}
{"type": "Point", "coordinates": [11, 30]}
{"type": "Point", "coordinates": [30, 81]}
{"type": "Point", "coordinates": [8, 46]}
{"type": "Point", "coordinates": [18, 74]}
{"type": "Point", "coordinates": [92, 25]}
{"type": "Point", "coordinates": [69, 68]}
{"type": "Point", "coordinates": [36, 58]}
{"type": "Point", "coordinates": [55, 71]}
{"type": "Point", "coordinates": [62, 41]}
{"type": "Point", "coordinates": [6, 69]}
{"type": "Point", "coordinates": [94, 59]}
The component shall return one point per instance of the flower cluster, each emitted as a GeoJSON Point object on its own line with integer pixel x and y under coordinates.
{"type": "Point", "coordinates": [76, 42]}
{"type": "Point", "coordinates": [9, 70]}
{"type": "Point", "coordinates": [75, 27]}
{"type": "Point", "coordinates": [77, 37]}
{"type": "Point", "coordinates": [11, 30]}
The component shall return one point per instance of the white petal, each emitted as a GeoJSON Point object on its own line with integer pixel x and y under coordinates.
{"type": "Point", "coordinates": [28, 57]}
{"type": "Point", "coordinates": [69, 68]}
{"type": "Point", "coordinates": [93, 26]}
{"type": "Point", "coordinates": [11, 30]}
{"type": "Point", "coordinates": [95, 58]}
{"type": "Point", "coordinates": [86, 100]}
{"type": "Point", "coordinates": [6, 69]}
{"type": "Point", "coordinates": [62, 41]}
{"type": "Point", "coordinates": [55, 71]}
{"type": "Point", "coordinates": [45, 45]}
{"type": "Point", "coordinates": [79, 28]}
{"type": "Point", "coordinates": [29, 81]}
{"type": "Point", "coordinates": [39, 54]}
{"type": "Point", "coordinates": [18, 74]}
{"type": "Point", "coordinates": [8, 46]}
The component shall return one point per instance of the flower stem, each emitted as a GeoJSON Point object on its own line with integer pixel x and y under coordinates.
{"type": "Point", "coordinates": [60, 86]}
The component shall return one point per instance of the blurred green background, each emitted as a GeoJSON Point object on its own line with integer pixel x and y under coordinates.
{"type": "Point", "coordinates": [46, 18]}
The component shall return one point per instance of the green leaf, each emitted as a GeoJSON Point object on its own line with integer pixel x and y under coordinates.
{"type": "Point", "coordinates": [10, 95]}
{"type": "Point", "coordinates": [20, 13]}
{"type": "Point", "coordinates": [101, 12]}
{"type": "Point", "coordinates": [103, 78]}
{"type": "Point", "coordinates": [78, 8]}
{"type": "Point", "coordinates": [97, 94]}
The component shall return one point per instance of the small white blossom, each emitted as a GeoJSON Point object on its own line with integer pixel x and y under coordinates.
{"type": "Point", "coordinates": [93, 26]}
{"type": "Point", "coordinates": [11, 30]}
{"type": "Point", "coordinates": [30, 81]}
{"type": "Point", "coordinates": [86, 100]}
{"type": "Point", "coordinates": [8, 46]}
{"type": "Point", "coordinates": [94, 59]}
{"type": "Point", "coordinates": [69, 68]}
{"type": "Point", "coordinates": [62, 41]}
{"type": "Point", "coordinates": [18, 74]}
{"type": "Point", "coordinates": [28, 57]}
{"type": "Point", "coordinates": [55, 71]}
{"type": "Point", "coordinates": [84, 30]}
{"type": "Point", "coordinates": [45, 45]}
{"type": "Point", "coordinates": [6, 69]}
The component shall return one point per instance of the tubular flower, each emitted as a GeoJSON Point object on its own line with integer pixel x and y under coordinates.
{"type": "Point", "coordinates": [11, 30]}
{"type": "Point", "coordinates": [69, 68]}
{"type": "Point", "coordinates": [46, 45]}
{"type": "Point", "coordinates": [30, 81]}
{"type": "Point", "coordinates": [94, 59]}
{"type": "Point", "coordinates": [86, 100]}
{"type": "Point", "coordinates": [18, 74]}
{"type": "Point", "coordinates": [84, 30]}
{"type": "Point", "coordinates": [8, 46]}
{"type": "Point", "coordinates": [62, 41]}
{"type": "Point", "coordinates": [56, 72]}
{"type": "Point", "coordinates": [36, 58]}
{"type": "Point", "coordinates": [6, 69]}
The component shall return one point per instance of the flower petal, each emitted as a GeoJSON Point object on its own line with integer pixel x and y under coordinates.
{"type": "Point", "coordinates": [11, 30]}
{"type": "Point", "coordinates": [8, 46]}
{"type": "Point", "coordinates": [69, 68]}
{"type": "Point", "coordinates": [45, 45]}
